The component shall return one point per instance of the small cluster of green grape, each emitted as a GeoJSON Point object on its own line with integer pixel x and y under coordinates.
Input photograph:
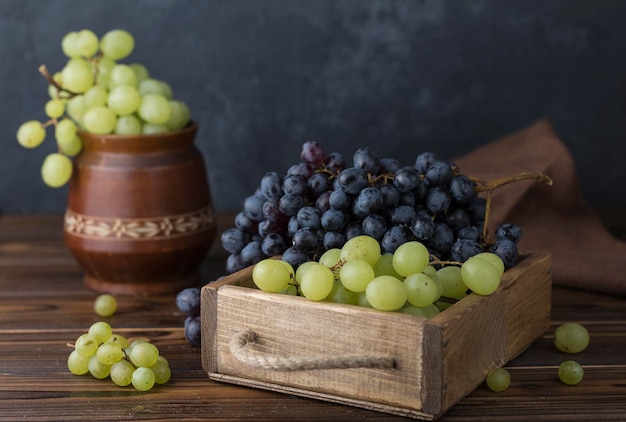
{"type": "Point", "coordinates": [571, 338]}
{"type": "Point", "coordinates": [406, 280]}
{"type": "Point", "coordinates": [105, 354]}
{"type": "Point", "coordinates": [96, 93]}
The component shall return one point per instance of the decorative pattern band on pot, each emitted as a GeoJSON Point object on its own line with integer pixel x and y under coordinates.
{"type": "Point", "coordinates": [137, 229]}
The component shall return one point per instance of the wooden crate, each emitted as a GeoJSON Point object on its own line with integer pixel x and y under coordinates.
{"type": "Point", "coordinates": [270, 341]}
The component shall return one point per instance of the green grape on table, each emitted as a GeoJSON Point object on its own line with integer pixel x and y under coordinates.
{"type": "Point", "coordinates": [98, 369]}
{"type": "Point", "coordinates": [101, 331]}
{"type": "Point", "coordinates": [161, 370]}
{"type": "Point", "coordinates": [121, 373]}
{"type": "Point", "coordinates": [571, 337]}
{"type": "Point", "coordinates": [86, 345]}
{"type": "Point", "coordinates": [386, 293]}
{"type": "Point", "coordinates": [110, 352]}
{"type": "Point", "coordinates": [498, 380]}
{"type": "Point", "coordinates": [56, 170]}
{"type": "Point", "coordinates": [570, 372]}
{"type": "Point", "coordinates": [144, 354]}
{"type": "Point", "coordinates": [143, 379]}
{"type": "Point", "coordinates": [105, 305]}
{"type": "Point", "coordinates": [410, 257]}
{"type": "Point", "coordinates": [31, 134]}
{"type": "Point", "coordinates": [77, 363]}
{"type": "Point", "coordinates": [480, 276]}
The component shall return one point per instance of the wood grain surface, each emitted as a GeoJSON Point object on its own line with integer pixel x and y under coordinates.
{"type": "Point", "coordinates": [44, 306]}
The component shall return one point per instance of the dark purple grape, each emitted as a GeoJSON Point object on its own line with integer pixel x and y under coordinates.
{"type": "Point", "coordinates": [442, 238]}
{"type": "Point", "coordinates": [267, 227]}
{"type": "Point", "coordinates": [313, 153]}
{"type": "Point", "coordinates": [294, 257]}
{"type": "Point", "coordinates": [193, 330]}
{"type": "Point", "coordinates": [273, 244]}
{"type": "Point", "coordinates": [245, 223]}
{"type": "Point", "coordinates": [422, 227]}
{"type": "Point", "coordinates": [407, 198]}
{"type": "Point", "coordinates": [463, 249]}
{"type": "Point", "coordinates": [425, 160]}
{"type": "Point", "coordinates": [438, 200]}
{"type": "Point", "coordinates": [252, 253]}
{"type": "Point", "coordinates": [391, 196]}
{"type": "Point", "coordinates": [234, 263]}
{"type": "Point", "coordinates": [370, 200]}
{"type": "Point", "coordinates": [309, 217]}
{"type": "Point", "coordinates": [507, 251]}
{"type": "Point", "coordinates": [406, 179]}
{"type": "Point", "coordinates": [509, 231]}
{"type": "Point", "coordinates": [394, 237]}
{"type": "Point", "coordinates": [253, 207]}
{"type": "Point", "coordinates": [292, 226]}
{"type": "Point", "coordinates": [303, 169]}
{"type": "Point", "coordinates": [271, 185]}
{"type": "Point", "coordinates": [335, 162]}
{"type": "Point", "coordinates": [322, 202]}
{"type": "Point", "coordinates": [271, 210]}
{"type": "Point", "coordinates": [402, 215]}
{"type": "Point", "coordinates": [295, 183]}
{"type": "Point", "coordinates": [439, 173]}
{"type": "Point", "coordinates": [457, 219]}
{"type": "Point", "coordinates": [188, 301]}
{"type": "Point", "coordinates": [306, 240]}
{"type": "Point", "coordinates": [462, 189]}
{"type": "Point", "coordinates": [333, 220]}
{"type": "Point", "coordinates": [389, 165]}
{"type": "Point", "coordinates": [374, 226]}
{"type": "Point", "coordinates": [477, 211]}
{"type": "Point", "coordinates": [333, 240]}
{"type": "Point", "coordinates": [471, 233]}
{"type": "Point", "coordinates": [364, 158]}
{"type": "Point", "coordinates": [352, 180]}
{"type": "Point", "coordinates": [318, 184]}
{"type": "Point", "coordinates": [354, 229]}
{"type": "Point", "coordinates": [290, 204]}
{"type": "Point", "coordinates": [340, 200]}
{"type": "Point", "coordinates": [233, 240]}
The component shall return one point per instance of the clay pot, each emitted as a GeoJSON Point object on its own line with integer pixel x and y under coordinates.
{"type": "Point", "coordinates": [139, 218]}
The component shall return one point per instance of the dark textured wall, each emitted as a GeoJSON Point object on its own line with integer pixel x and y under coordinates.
{"type": "Point", "coordinates": [405, 76]}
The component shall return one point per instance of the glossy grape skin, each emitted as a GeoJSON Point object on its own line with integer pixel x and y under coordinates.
{"type": "Point", "coordinates": [571, 337]}
{"type": "Point", "coordinates": [570, 372]}
{"type": "Point", "coordinates": [498, 380]}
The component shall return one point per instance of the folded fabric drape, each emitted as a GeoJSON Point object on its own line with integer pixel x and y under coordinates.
{"type": "Point", "coordinates": [556, 219]}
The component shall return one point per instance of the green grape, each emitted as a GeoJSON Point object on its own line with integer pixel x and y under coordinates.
{"type": "Point", "coordinates": [101, 331]}
{"type": "Point", "coordinates": [414, 310]}
{"type": "Point", "coordinates": [70, 147]}
{"type": "Point", "coordinates": [86, 345]}
{"type": "Point", "coordinates": [431, 310]}
{"type": "Point", "coordinates": [122, 75]}
{"type": "Point", "coordinates": [56, 170]}
{"type": "Point", "coordinates": [362, 300]}
{"type": "Point", "coordinates": [339, 294]}
{"type": "Point", "coordinates": [76, 108]}
{"type": "Point", "coordinates": [291, 290]}
{"type": "Point", "coordinates": [292, 272]}
{"type": "Point", "coordinates": [121, 373]}
{"type": "Point", "coordinates": [95, 96]}
{"type": "Point", "coordinates": [110, 352]}
{"type": "Point", "coordinates": [302, 269]}
{"type": "Point", "coordinates": [65, 130]}
{"type": "Point", "coordinates": [571, 337]}
{"type": "Point", "coordinates": [100, 120]}
{"type": "Point", "coordinates": [77, 363]}
{"type": "Point", "coordinates": [180, 115]}
{"type": "Point", "coordinates": [317, 282]}
{"type": "Point", "coordinates": [570, 372]}
{"type": "Point", "coordinates": [480, 276]}
{"type": "Point", "coordinates": [128, 125]}
{"type": "Point", "coordinates": [384, 266]}
{"type": "Point", "coordinates": [77, 76]}
{"type": "Point", "coordinates": [98, 369]}
{"type": "Point", "coordinates": [361, 247]}
{"type": "Point", "coordinates": [498, 380]}
{"type": "Point", "coordinates": [386, 293]}
{"type": "Point", "coordinates": [155, 109]}
{"type": "Point", "coordinates": [162, 371]}
{"type": "Point", "coordinates": [152, 129]}
{"type": "Point", "coordinates": [53, 91]}
{"type": "Point", "coordinates": [117, 44]}
{"type": "Point", "coordinates": [144, 354]}
{"type": "Point", "coordinates": [31, 134]}
{"type": "Point", "coordinates": [105, 305]}
{"type": "Point", "coordinates": [141, 73]}
{"type": "Point", "coordinates": [105, 67]}
{"type": "Point", "coordinates": [151, 86]}
{"type": "Point", "coordinates": [124, 100]}
{"type": "Point", "coordinates": [494, 259]}
{"type": "Point", "coordinates": [167, 91]}
{"type": "Point", "coordinates": [330, 258]}
{"type": "Point", "coordinates": [118, 338]}
{"type": "Point", "coordinates": [83, 43]}
{"type": "Point", "coordinates": [356, 274]}
{"type": "Point", "coordinates": [271, 275]}
{"type": "Point", "coordinates": [410, 257]}
{"type": "Point", "coordinates": [143, 379]}
{"type": "Point", "coordinates": [421, 289]}
{"type": "Point", "coordinates": [55, 108]}
{"type": "Point", "coordinates": [452, 284]}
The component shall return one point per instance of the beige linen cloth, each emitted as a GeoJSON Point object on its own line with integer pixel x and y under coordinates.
{"type": "Point", "coordinates": [555, 219]}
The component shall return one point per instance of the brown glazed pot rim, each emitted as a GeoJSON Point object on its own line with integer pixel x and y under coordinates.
{"type": "Point", "coordinates": [143, 142]}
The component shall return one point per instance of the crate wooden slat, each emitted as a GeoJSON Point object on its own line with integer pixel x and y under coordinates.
{"type": "Point", "coordinates": [438, 361]}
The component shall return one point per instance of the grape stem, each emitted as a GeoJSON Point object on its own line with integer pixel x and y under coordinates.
{"type": "Point", "coordinates": [48, 76]}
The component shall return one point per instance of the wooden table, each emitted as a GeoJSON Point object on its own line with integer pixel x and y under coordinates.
{"type": "Point", "coordinates": [43, 306]}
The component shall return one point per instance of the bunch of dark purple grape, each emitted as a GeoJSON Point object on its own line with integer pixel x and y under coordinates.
{"type": "Point", "coordinates": [321, 202]}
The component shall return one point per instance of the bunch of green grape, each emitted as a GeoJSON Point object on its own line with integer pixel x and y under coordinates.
{"type": "Point", "coordinates": [406, 280]}
{"type": "Point", "coordinates": [105, 354]}
{"type": "Point", "coordinates": [95, 92]}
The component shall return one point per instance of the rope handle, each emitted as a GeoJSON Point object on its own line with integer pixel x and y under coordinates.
{"type": "Point", "coordinates": [240, 348]}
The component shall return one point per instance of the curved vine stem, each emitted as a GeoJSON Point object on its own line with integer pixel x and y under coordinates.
{"type": "Point", "coordinates": [482, 186]}
{"type": "Point", "coordinates": [48, 76]}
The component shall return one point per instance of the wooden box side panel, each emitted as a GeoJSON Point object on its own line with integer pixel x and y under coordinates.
{"type": "Point", "coordinates": [481, 333]}
{"type": "Point", "coordinates": [294, 327]}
